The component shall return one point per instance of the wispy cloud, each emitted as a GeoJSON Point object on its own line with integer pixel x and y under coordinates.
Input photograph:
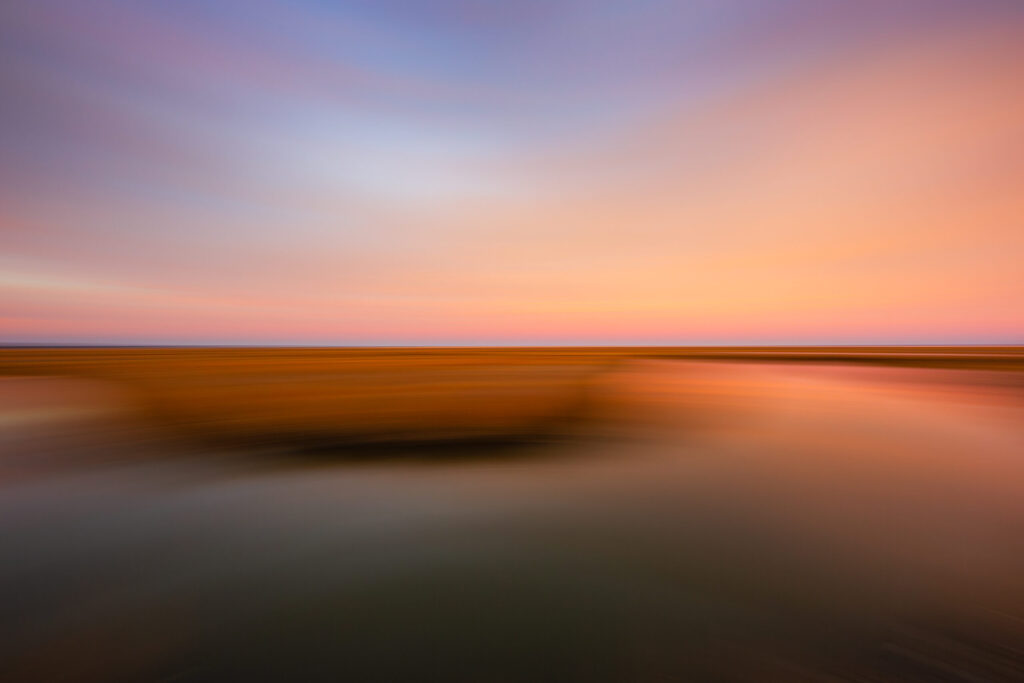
{"type": "Point", "coordinates": [423, 172]}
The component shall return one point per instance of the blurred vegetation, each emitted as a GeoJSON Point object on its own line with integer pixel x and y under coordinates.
{"type": "Point", "coordinates": [324, 396]}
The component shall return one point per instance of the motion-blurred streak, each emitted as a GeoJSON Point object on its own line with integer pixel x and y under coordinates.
{"type": "Point", "coordinates": [723, 518]}
{"type": "Point", "coordinates": [324, 397]}
{"type": "Point", "coordinates": [310, 398]}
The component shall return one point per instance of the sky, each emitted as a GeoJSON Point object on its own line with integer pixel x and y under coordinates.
{"type": "Point", "coordinates": [448, 172]}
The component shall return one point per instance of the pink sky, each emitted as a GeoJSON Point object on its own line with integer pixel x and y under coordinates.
{"type": "Point", "coordinates": [403, 173]}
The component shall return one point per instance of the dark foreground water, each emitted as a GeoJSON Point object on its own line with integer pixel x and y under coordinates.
{"type": "Point", "coordinates": [711, 522]}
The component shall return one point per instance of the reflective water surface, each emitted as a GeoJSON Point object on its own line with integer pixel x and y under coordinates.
{"type": "Point", "coordinates": [718, 521]}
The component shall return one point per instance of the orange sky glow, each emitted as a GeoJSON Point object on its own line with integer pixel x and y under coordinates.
{"type": "Point", "coordinates": [559, 175]}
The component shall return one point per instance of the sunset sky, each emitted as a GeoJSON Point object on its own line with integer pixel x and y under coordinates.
{"type": "Point", "coordinates": [512, 172]}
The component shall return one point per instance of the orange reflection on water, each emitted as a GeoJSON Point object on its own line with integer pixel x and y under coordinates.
{"type": "Point", "coordinates": [680, 519]}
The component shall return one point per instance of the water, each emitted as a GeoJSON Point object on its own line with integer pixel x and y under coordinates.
{"type": "Point", "coordinates": [711, 521]}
